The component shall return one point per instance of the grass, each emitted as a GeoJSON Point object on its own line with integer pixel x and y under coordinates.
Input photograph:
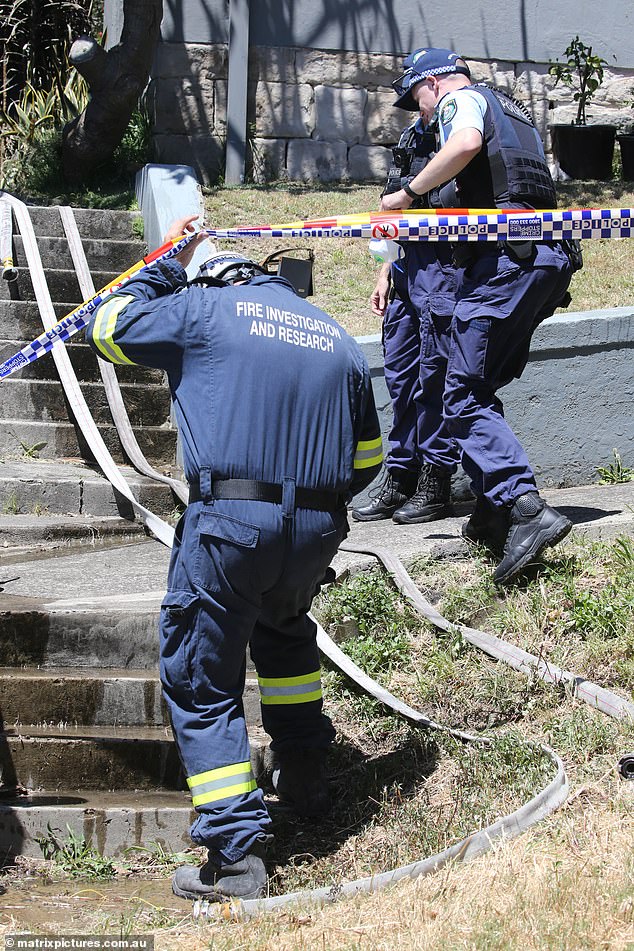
{"type": "Point", "coordinates": [345, 273]}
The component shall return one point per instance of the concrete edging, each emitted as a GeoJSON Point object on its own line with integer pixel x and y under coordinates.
{"type": "Point", "coordinates": [573, 404]}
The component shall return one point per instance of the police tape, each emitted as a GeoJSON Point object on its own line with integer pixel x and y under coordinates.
{"type": "Point", "coordinates": [79, 317]}
{"type": "Point", "coordinates": [454, 224]}
{"type": "Point", "coordinates": [450, 224]}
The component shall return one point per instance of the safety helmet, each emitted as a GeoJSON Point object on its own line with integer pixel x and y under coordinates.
{"type": "Point", "coordinates": [227, 267]}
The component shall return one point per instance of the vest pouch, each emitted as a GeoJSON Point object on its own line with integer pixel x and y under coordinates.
{"type": "Point", "coordinates": [523, 252]}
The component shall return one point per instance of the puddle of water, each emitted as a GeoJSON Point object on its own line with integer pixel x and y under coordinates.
{"type": "Point", "coordinates": [33, 904]}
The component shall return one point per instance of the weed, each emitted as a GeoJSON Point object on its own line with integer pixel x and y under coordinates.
{"type": "Point", "coordinates": [381, 618]}
{"type": "Point", "coordinates": [73, 855]}
{"type": "Point", "coordinates": [29, 451]}
{"type": "Point", "coordinates": [138, 228]}
{"type": "Point", "coordinates": [156, 857]}
{"type": "Point", "coordinates": [11, 506]}
{"type": "Point", "coordinates": [615, 472]}
{"type": "Point", "coordinates": [39, 509]}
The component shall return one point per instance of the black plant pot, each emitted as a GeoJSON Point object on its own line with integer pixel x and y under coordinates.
{"type": "Point", "coordinates": [626, 143]}
{"type": "Point", "coordinates": [584, 151]}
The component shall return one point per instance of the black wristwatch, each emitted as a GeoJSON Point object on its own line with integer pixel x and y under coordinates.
{"type": "Point", "coordinates": [410, 191]}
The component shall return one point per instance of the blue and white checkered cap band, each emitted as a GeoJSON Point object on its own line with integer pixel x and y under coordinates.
{"type": "Point", "coordinates": [437, 71]}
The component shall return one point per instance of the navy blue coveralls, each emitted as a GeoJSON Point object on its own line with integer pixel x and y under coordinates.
{"type": "Point", "coordinates": [501, 301]}
{"type": "Point", "coordinates": [266, 387]}
{"type": "Point", "coordinates": [415, 339]}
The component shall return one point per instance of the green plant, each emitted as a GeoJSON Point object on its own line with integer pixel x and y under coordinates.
{"type": "Point", "coordinates": [11, 506]}
{"type": "Point", "coordinates": [381, 618]}
{"type": "Point", "coordinates": [583, 72]}
{"type": "Point", "coordinates": [615, 472]}
{"type": "Point", "coordinates": [35, 36]}
{"type": "Point", "coordinates": [73, 855]}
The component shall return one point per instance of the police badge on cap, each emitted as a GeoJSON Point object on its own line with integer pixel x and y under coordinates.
{"type": "Point", "coordinates": [419, 65]}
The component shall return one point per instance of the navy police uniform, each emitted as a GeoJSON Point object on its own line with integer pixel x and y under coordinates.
{"type": "Point", "coordinates": [278, 425]}
{"type": "Point", "coordinates": [506, 291]}
{"type": "Point", "coordinates": [416, 330]}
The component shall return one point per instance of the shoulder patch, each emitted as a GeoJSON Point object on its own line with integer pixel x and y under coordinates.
{"type": "Point", "coordinates": [448, 111]}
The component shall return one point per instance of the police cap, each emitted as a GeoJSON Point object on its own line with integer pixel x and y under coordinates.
{"type": "Point", "coordinates": [419, 65]}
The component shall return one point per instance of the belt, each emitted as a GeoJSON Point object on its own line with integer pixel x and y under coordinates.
{"type": "Point", "coordinates": [252, 491]}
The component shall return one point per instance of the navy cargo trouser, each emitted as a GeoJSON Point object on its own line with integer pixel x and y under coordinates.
{"type": "Point", "coordinates": [415, 358]}
{"type": "Point", "coordinates": [242, 573]}
{"type": "Point", "coordinates": [500, 304]}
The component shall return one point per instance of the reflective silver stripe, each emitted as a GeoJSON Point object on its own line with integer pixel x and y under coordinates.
{"type": "Point", "coordinates": [290, 691]}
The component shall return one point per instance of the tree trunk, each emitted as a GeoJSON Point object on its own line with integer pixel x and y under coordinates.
{"type": "Point", "coordinates": [116, 79]}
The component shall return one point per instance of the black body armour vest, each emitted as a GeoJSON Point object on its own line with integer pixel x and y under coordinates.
{"type": "Point", "coordinates": [410, 157]}
{"type": "Point", "coordinates": [511, 169]}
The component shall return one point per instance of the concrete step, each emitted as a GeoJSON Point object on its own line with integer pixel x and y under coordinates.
{"type": "Point", "coordinates": [102, 254]}
{"type": "Point", "coordinates": [116, 632]}
{"type": "Point", "coordinates": [62, 284]}
{"type": "Point", "coordinates": [22, 536]}
{"type": "Point", "coordinates": [95, 757]}
{"type": "Point", "coordinates": [91, 222]}
{"type": "Point", "coordinates": [78, 698]}
{"type": "Point", "coordinates": [109, 822]}
{"type": "Point", "coordinates": [63, 488]}
{"type": "Point", "coordinates": [147, 404]}
{"type": "Point", "coordinates": [84, 361]}
{"type": "Point", "coordinates": [20, 320]}
{"type": "Point", "coordinates": [60, 440]}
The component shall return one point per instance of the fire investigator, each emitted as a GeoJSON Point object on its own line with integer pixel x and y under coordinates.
{"type": "Point", "coordinates": [279, 428]}
{"type": "Point", "coordinates": [415, 296]}
{"type": "Point", "coordinates": [491, 151]}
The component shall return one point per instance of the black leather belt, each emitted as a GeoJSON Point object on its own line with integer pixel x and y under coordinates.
{"type": "Point", "coordinates": [252, 491]}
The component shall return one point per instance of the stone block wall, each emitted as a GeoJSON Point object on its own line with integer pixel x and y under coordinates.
{"type": "Point", "coordinates": [317, 115]}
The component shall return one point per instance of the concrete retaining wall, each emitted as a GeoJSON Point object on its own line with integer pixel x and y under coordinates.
{"type": "Point", "coordinates": [573, 405]}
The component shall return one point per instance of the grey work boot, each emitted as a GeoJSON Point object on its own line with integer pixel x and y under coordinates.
{"type": "Point", "coordinates": [299, 779]}
{"type": "Point", "coordinates": [218, 880]}
{"type": "Point", "coordinates": [488, 526]}
{"type": "Point", "coordinates": [431, 499]}
{"type": "Point", "coordinates": [534, 527]}
{"type": "Point", "coordinates": [394, 490]}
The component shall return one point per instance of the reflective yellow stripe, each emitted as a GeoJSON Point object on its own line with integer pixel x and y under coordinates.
{"type": "Point", "coordinates": [369, 453]}
{"type": "Point", "coordinates": [285, 690]}
{"type": "Point", "coordinates": [239, 789]}
{"type": "Point", "coordinates": [104, 327]}
{"type": "Point", "coordinates": [221, 783]}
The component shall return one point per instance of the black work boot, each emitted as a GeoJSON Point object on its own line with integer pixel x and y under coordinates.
{"type": "Point", "coordinates": [534, 526]}
{"type": "Point", "coordinates": [396, 488]}
{"type": "Point", "coordinates": [431, 499]}
{"type": "Point", "coordinates": [299, 779]}
{"type": "Point", "coordinates": [488, 526]}
{"type": "Point", "coordinates": [218, 880]}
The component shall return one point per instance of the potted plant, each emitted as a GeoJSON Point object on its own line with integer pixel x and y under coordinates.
{"type": "Point", "coordinates": [626, 144]}
{"type": "Point", "coordinates": [582, 150]}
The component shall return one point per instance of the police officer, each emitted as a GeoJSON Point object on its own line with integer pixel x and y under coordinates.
{"type": "Point", "coordinates": [276, 414]}
{"type": "Point", "coordinates": [415, 296]}
{"type": "Point", "coordinates": [491, 151]}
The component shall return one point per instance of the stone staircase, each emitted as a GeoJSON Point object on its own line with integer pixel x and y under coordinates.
{"type": "Point", "coordinates": [84, 735]}
{"type": "Point", "coordinates": [33, 409]}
